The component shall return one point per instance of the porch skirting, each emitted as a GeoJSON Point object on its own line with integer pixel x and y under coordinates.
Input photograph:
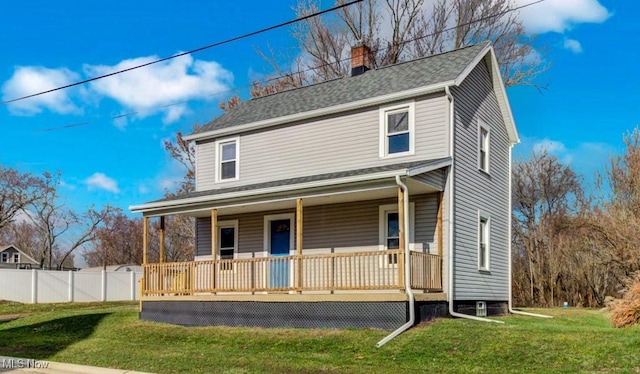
{"type": "Point", "coordinates": [339, 314]}
{"type": "Point", "coordinates": [383, 311]}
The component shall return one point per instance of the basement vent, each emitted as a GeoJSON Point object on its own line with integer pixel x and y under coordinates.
{"type": "Point", "coordinates": [481, 309]}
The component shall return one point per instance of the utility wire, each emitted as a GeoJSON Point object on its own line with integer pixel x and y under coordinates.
{"type": "Point", "coordinates": [188, 52]}
{"type": "Point", "coordinates": [237, 88]}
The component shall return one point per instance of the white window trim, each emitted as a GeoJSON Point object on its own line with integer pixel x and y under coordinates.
{"type": "Point", "coordinates": [16, 257]}
{"type": "Point", "coordinates": [486, 216]}
{"type": "Point", "coordinates": [383, 210]}
{"type": "Point", "coordinates": [383, 129]}
{"type": "Point", "coordinates": [483, 126]}
{"type": "Point", "coordinates": [267, 231]}
{"type": "Point", "coordinates": [218, 168]}
{"type": "Point", "coordinates": [226, 224]}
{"type": "Point", "coordinates": [4, 257]}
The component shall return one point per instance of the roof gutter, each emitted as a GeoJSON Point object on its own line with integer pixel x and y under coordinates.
{"type": "Point", "coordinates": [450, 179]}
{"type": "Point", "coordinates": [407, 269]}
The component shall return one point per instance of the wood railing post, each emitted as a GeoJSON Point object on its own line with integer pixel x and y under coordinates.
{"type": "Point", "coordinates": [145, 240]}
{"type": "Point", "coordinates": [299, 224]}
{"type": "Point", "coordinates": [161, 234]}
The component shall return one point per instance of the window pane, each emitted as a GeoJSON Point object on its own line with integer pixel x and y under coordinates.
{"type": "Point", "coordinates": [229, 151]}
{"type": "Point", "coordinates": [397, 122]}
{"type": "Point", "coordinates": [228, 170]}
{"type": "Point", "coordinates": [399, 143]}
{"type": "Point", "coordinates": [393, 227]}
{"type": "Point", "coordinates": [226, 253]}
{"type": "Point", "coordinates": [483, 256]}
{"type": "Point", "coordinates": [227, 237]}
{"type": "Point", "coordinates": [393, 243]}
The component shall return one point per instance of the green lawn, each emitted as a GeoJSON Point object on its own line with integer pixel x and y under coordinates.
{"type": "Point", "coordinates": [111, 335]}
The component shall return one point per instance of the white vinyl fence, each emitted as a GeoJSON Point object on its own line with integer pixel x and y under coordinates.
{"type": "Point", "coordinates": [48, 286]}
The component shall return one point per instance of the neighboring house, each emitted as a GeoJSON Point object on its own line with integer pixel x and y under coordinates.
{"type": "Point", "coordinates": [308, 199]}
{"type": "Point", "coordinates": [12, 257]}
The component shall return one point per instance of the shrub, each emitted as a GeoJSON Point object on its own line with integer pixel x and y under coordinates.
{"type": "Point", "coordinates": [626, 311]}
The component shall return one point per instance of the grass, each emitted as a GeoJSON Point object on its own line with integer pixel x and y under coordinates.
{"type": "Point", "coordinates": [110, 335]}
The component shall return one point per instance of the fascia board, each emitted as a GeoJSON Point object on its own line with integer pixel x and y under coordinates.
{"type": "Point", "coordinates": [265, 191]}
{"type": "Point", "coordinates": [498, 85]}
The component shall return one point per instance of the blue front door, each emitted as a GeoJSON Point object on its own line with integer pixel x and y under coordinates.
{"type": "Point", "coordinates": [280, 238]}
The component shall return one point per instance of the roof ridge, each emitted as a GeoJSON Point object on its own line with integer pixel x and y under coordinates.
{"type": "Point", "coordinates": [371, 71]}
{"type": "Point", "coordinates": [445, 66]}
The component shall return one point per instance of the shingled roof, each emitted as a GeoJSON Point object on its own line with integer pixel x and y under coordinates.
{"type": "Point", "coordinates": [404, 76]}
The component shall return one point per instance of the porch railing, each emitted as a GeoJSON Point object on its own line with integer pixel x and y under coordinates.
{"type": "Point", "coordinates": [374, 270]}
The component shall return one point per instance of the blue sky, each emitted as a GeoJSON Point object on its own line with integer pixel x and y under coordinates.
{"type": "Point", "coordinates": [589, 102]}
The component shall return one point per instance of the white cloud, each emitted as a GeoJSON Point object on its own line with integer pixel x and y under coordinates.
{"type": "Point", "coordinates": [100, 181]}
{"type": "Point", "coordinates": [549, 146]}
{"type": "Point", "coordinates": [147, 89]}
{"type": "Point", "coordinates": [561, 15]}
{"type": "Point", "coordinates": [28, 80]}
{"type": "Point", "coordinates": [573, 45]}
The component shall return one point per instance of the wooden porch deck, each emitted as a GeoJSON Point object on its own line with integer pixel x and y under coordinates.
{"type": "Point", "coordinates": [343, 273]}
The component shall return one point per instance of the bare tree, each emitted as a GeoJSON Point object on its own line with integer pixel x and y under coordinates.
{"type": "Point", "coordinates": [399, 30]}
{"type": "Point", "coordinates": [116, 242]}
{"type": "Point", "coordinates": [17, 192]}
{"type": "Point", "coordinates": [54, 222]}
{"type": "Point", "coordinates": [547, 196]}
{"type": "Point", "coordinates": [617, 221]}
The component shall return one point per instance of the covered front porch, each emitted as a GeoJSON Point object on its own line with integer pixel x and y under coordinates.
{"type": "Point", "coordinates": [337, 243]}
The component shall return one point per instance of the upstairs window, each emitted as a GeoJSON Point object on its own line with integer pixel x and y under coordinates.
{"type": "Point", "coordinates": [483, 148]}
{"type": "Point", "coordinates": [483, 242]}
{"type": "Point", "coordinates": [16, 257]}
{"type": "Point", "coordinates": [397, 130]}
{"type": "Point", "coordinates": [5, 257]}
{"type": "Point", "coordinates": [227, 160]}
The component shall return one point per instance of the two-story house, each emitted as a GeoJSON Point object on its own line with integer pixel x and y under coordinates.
{"type": "Point", "coordinates": [349, 203]}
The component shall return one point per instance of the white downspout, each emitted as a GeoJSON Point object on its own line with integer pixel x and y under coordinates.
{"type": "Point", "coordinates": [450, 180]}
{"type": "Point", "coordinates": [407, 269]}
{"type": "Point", "coordinates": [510, 302]}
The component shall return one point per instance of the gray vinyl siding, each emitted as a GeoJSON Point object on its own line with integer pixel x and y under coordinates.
{"type": "Point", "coordinates": [205, 166]}
{"type": "Point", "coordinates": [476, 191]}
{"type": "Point", "coordinates": [336, 227]}
{"type": "Point", "coordinates": [433, 178]}
{"type": "Point", "coordinates": [203, 236]}
{"type": "Point", "coordinates": [344, 141]}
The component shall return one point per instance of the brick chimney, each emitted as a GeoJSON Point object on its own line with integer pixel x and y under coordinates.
{"type": "Point", "coordinates": [360, 59]}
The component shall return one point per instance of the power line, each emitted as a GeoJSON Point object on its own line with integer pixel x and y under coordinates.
{"type": "Point", "coordinates": [186, 53]}
{"type": "Point", "coordinates": [307, 69]}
